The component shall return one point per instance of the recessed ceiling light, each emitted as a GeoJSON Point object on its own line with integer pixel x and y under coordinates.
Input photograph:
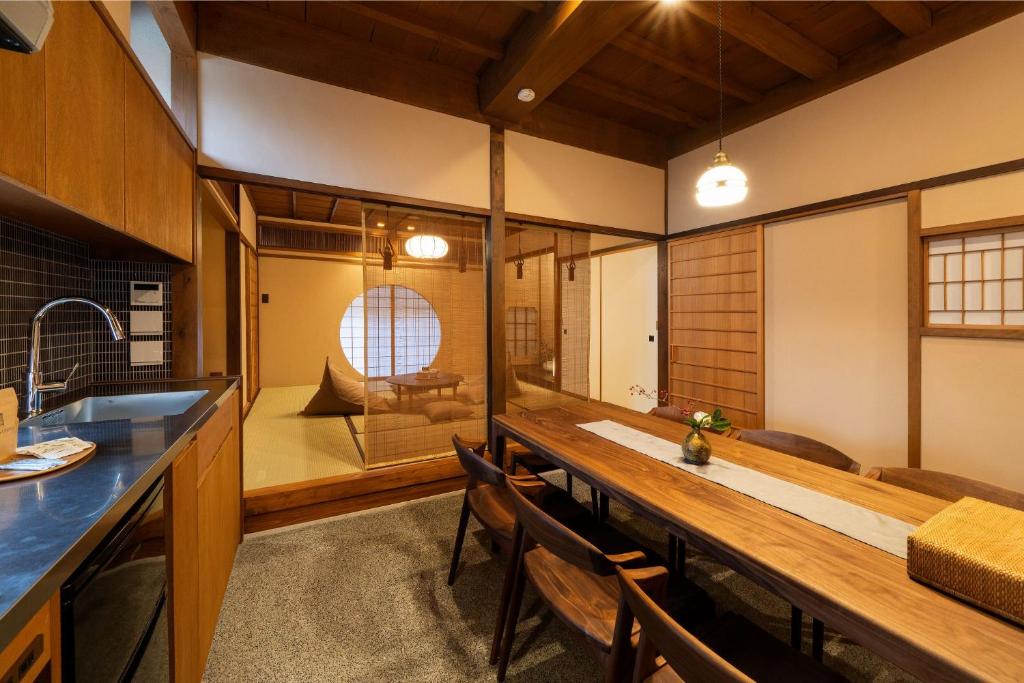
{"type": "Point", "coordinates": [526, 95]}
{"type": "Point", "coordinates": [410, 227]}
{"type": "Point", "coordinates": [380, 224]}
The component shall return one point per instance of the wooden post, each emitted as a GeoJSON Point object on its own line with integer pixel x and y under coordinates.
{"type": "Point", "coordinates": [234, 277]}
{"type": "Point", "coordinates": [495, 257]}
{"type": "Point", "coordinates": [663, 295]}
{"type": "Point", "coordinates": [915, 318]}
{"type": "Point", "coordinates": [186, 302]}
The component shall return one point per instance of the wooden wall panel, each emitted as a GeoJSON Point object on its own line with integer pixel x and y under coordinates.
{"type": "Point", "coordinates": [22, 118]}
{"type": "Point", "coordinates": [85, 117]}
{"type": "Point", "coordinates": [716, 324]}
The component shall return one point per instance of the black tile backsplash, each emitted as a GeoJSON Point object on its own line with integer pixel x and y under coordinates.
{"type": "Point", "coordinates": [36, 266]}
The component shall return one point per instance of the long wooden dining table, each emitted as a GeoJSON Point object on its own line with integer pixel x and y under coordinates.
{"type": "Point", "coordinates": [858, 590]}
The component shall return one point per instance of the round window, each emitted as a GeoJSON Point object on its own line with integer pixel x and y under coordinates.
{"type": "Point", "coordinates": [390, 330]}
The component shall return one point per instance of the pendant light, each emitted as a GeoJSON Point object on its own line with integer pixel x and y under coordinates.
{"type": "Point", "coordinates": [722, 184]}
{"type": "Point", "coordinates": [572, 260]}
{"type": "Point", "coordinates": [519, 260]}
{"type": "Point", "coordinates": [388, 252]}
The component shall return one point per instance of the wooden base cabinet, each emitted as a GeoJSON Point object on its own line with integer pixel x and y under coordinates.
{"type": "Point", "coordinates": [34, 654]}
{"type": "Point", "coordinates": [204, 498]}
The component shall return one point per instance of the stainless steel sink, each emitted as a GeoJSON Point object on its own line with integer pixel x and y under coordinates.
{"type": "Point", "coordinates": [126, 407]}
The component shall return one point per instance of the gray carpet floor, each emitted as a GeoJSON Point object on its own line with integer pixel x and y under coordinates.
{"type": "Point", "coordinates": [363, 597]}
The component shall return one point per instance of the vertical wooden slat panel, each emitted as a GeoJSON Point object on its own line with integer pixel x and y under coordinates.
{"type": "Point", "coordinates": [715, 298]}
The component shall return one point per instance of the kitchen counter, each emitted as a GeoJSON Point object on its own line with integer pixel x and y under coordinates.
{"type": "Point", "coordinates": [50, 524]}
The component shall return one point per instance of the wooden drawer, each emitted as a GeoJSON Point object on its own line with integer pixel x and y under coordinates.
{"type": "Point", "coordinates": [35, 649]}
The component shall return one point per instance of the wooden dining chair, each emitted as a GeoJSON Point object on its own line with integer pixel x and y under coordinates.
{"type": "Point", "coordinates": [946, 486]}
{"type": "Point", "coordinates": [801, 447]}
{"type": "Point", "coordinates": [577, 581]}
{"type": "Point", "coordinates": [488, 499]}
{"type": "Point", "coordinates": [732, 651]}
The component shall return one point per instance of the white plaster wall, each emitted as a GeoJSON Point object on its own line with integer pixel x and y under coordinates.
{"type": "Point", "coordinates": [262, 121]}
{"type": "Point", "coordinates": [955, 108]}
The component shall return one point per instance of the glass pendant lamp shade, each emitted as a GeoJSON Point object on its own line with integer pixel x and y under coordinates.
{"type": "Point", "coordinates": [426, 247]}
{"type": "Point", "coordinates": [722, 184]}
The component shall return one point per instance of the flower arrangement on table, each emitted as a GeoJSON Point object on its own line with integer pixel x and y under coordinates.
{"type": "Point", "coordinates": [696, 448]}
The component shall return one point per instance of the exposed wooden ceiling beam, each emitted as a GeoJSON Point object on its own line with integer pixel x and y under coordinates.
{"type": "Point", "coordinates": [911, 18]}
{"type": "Point", "coordinates": [550, 46]}
{"type": "Point", "coordinates": [949, 24]}
{"type": "Point", "coordinates": [256, 36]}
{"type": "Point", "coordinates": [652, 52]}
{"type": "Point", "coordinates": [763, 32]}
{"type": "Point", "coordinates": [301, 224]}
{"type": "Point", "coordinates": [633, 99]}
{"type": "Point", "coordinates": [420, 25]}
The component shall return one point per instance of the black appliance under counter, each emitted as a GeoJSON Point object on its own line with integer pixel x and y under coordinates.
{"type": "Point", "coordinates": [54, 524]}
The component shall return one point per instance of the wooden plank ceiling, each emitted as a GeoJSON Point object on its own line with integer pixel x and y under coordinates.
{"type": "Point", "coordinates": [636, 80]}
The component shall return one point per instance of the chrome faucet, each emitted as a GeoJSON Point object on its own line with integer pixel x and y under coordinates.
{"type": "Point", "coordinates": [34, 385]}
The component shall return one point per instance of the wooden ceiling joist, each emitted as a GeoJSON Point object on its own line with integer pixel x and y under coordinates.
{"type": "Point", "coordinates": [425, 27]}
{"type": "Point", "coordinates": [633, 99]}
{"type": "Point", "coordinates": [953, 22]}
{"type": "Point", "coordinates": [763, 32]}
{"type": "Point", "coordinates": [547, 49]}
{"type": "Point", "coordinates": [911, 18]}
{"type": "Point", "coordinates": [651, 52]}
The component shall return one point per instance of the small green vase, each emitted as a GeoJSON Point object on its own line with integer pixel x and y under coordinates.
{"type": "Point", "coordinates": [696, 448]}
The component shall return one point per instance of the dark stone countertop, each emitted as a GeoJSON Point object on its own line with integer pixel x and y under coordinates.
{"type": "Point", "coordinates": [51, 523]}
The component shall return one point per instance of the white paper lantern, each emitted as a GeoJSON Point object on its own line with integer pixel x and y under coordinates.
{"type": "Point", "coordinates": [426, 247]}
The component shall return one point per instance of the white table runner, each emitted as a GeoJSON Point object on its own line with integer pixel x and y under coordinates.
{"type": "Point", "coordinates": [878, 530]}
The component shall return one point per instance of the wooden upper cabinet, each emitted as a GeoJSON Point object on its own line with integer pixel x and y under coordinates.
{"type": "Point", "coordinates": [22, 118]}
{"type": "Point", "coordinates": [158, 172]}
{"type": "Point", "coordinates": [85, 151]}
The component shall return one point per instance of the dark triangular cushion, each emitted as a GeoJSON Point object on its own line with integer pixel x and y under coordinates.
{"type": "Point", "coordinates": [326, 400]}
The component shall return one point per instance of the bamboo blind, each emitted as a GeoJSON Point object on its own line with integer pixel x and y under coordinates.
{"type": "Point", "coordinates": [716, 324]}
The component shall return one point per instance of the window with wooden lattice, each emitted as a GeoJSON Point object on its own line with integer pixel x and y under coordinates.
{"type": "Point", "coordinates": [975, 279]}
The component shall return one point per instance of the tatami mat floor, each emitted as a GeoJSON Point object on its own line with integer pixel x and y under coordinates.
{"type": "Point", "coordinates": [363, 597]}
{"type": "Point", "coordinates": [282, 446]}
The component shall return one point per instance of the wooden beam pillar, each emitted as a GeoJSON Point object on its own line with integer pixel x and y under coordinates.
{"type": "Point", "coordinates": [187, 300]}
{"type": "Point", "coordinates": [548, 48]}
{"type": "Point", "coordinates": [233, 278]}
{"type": "Point", "coordinates": [915, 317]}
{"type": "Point", "coordinates": [766, 34]}
{"type": "Point", "coordinates": [910, 18]}
{"type": "Point", "coordinates": [495, 264]}
{"type": "Point", "coordinates": [663, 295]}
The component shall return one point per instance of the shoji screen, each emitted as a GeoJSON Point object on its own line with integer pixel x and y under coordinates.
{"type": "Point", "coordinates": [714, 324]}
{"type": "Point", "coordinates": [836, 330]}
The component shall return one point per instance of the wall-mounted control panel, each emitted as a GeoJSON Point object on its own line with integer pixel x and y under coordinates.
{"type": "Point", "coordinates": [146, 293]}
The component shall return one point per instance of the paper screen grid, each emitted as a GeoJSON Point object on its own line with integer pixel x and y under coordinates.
{"type": "Point", "coordinates": [976, 279]}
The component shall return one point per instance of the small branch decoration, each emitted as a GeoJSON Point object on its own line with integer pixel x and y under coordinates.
{"type": "Point", "coordinates": [715, 421]}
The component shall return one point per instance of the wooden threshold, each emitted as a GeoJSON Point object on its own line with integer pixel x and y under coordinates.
{"type": "Point", "coordinates": [276, 506]}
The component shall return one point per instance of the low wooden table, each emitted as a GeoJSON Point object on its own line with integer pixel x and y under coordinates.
{"type": "Point", "coordinates": [415, 385]}
{"type": "Point", "coordinates": [860, 591]}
